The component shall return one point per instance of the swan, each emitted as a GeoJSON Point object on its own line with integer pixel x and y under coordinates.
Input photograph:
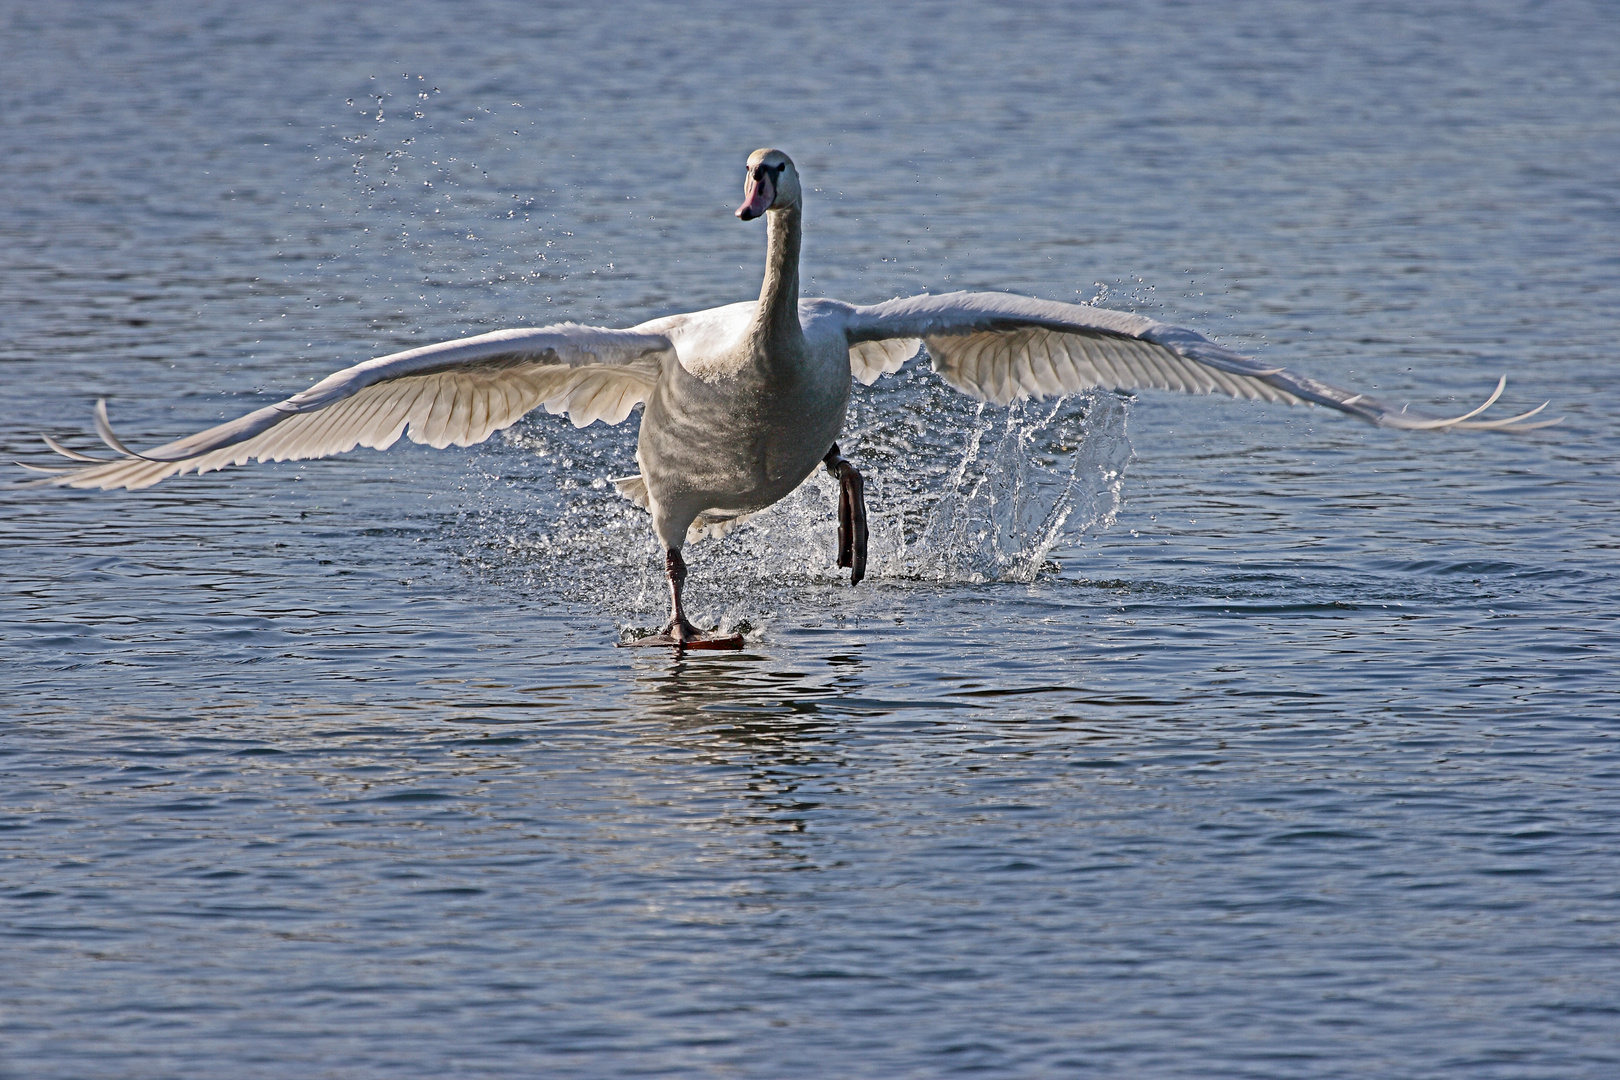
{"type": "Point", "coordinates": [741, 402]}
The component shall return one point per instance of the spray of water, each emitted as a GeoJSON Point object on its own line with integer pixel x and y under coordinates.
{"type": "Point", "coordinates": [957, 492]}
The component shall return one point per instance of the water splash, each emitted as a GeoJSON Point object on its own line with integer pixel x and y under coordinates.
{"type": "Point", "coordinates": [957, 492]}
{"type": "Point", "coordinates": [1031, 478]}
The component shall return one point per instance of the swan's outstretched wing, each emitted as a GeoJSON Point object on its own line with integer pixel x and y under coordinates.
{"type": "Point", "coordinates": [453, 393]}
{"type": "Point", "coordinates": [1003, 348]}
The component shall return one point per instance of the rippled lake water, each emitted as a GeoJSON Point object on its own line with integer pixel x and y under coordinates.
{"type": "Point", "coordinates": [1295, 755]}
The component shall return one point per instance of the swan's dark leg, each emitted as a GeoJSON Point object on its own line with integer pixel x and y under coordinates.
{"type": "Point", "coordinates": [675, 570]}
{"type": "Point", "coordinates": [851, 514]}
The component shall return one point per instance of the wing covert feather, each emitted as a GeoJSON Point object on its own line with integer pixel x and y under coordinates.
{"type": "Point", "coordinates": [455, 393]}
{"type": "Point", "coordinates": [1001, 347]}
{"type": "Point", "coordinates": [868, 360]}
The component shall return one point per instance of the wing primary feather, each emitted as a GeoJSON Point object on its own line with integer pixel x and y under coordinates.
{"type": "Point", "coordinates": [513, 398]}
{"type": "Point", "coordinates": [1128, 362]}
{"type": "Point", "coordinates": [999, 352]}
{"type": "Point", "coordinates": [1014, 354]}
{"type": "Point", "coordinates": [458, 424]}
{"type": "Point", "coordinates": [1228, 384]}
{"type": "Point", "coordinates": [1077, 356]}
{"type": "Point", "coordinates": [621, 407]}
{"type": "Point", "coordinates": [104, 429]}
{"type": "Point", "coordinates": [1052, 346]}
{"type": "Point", "coordinates": [365, 410]}
{"type": "Point", "coordinates": [1185, 374]}
{"type": "Point", "coordinates": [438, 415]}
{"type": "Point", "coordinates": [1151, 360]}
{"type": "Point", "coordinates": [319, 433]}
{"type": "Point", "coordinates": [306, 432]}
{"type": "Point", "coordinates": [1037, 364]}
{"type": "Point", "coordinates": [73, 454]}
{"type": "Point", "coordinates": [1513, 423]}
{"type": "Point", "coordinates": [1501, 384]}
{"type": "Point", "coordinates": [419, 409]}
{"type": "Point", "coordinates": [994, 360]}
{"type": "Point", "coordinates": [478, 414]}
{"type": "Point", "coordinates": [985, 367]}
{"type": "Point", "coordinates": [1193, 376]}
{"type": "Point", "coordinates": [334, 435]}
{"type": "Point", "coordinates": [378, 419]}
{"type": "Point", "coordinates": [1104, 360]}
{"type": "Point", "coordinates": [277, 444]}
{"type": "Point", "coordinates": [399, 416]}
{"type": "Point", "coordinates": [266, 445]}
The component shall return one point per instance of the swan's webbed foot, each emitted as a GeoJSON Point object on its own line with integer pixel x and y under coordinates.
{"type": "Point", "coordinates": [678, 631]}
{"type": "Point", "coordinates": [851, 514]}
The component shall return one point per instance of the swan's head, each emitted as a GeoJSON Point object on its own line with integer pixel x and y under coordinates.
{"type": "Point", "coordinates": [772, 184]}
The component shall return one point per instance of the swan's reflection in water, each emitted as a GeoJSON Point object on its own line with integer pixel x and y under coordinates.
{"type": "Point", "coordinates": [688, 691]}
{"type": "Point", "coordinates": [766, 737]}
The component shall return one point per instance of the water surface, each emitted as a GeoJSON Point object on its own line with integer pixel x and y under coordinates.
{"type": "Point", "coordinates": [1293, 755]}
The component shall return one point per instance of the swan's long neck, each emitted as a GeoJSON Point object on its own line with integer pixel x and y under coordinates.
{"type": "Point", "coordinates": [776, 324]}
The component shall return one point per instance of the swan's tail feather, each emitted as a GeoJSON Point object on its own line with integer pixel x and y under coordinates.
{"type": "Point", "coordinates": [713, 524]}
{"type": "Point", "coordinates": [633, 488]}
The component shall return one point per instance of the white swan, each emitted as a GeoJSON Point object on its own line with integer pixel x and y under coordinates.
{"type": "Point", "coordinates": [743, 401]}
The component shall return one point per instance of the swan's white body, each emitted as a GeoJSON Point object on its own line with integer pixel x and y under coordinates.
{"type": "Point", "coordinates": [742, 401]}
{"type": "Point", "coordinates": [776, 415]}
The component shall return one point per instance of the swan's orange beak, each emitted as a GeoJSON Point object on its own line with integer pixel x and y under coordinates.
{"type": "Point", "coordinates": [759, 191]}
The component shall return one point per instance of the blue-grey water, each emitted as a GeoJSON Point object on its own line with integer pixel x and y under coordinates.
{"type": "Point", "coordinates": [1170, 737]}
